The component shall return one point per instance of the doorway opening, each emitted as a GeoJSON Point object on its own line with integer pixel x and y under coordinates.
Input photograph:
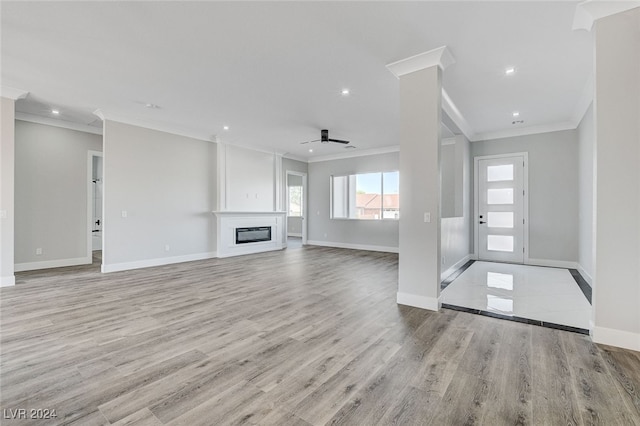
{"type": "Point", "coordinates": [296, 207]}
{"type": "Point", "coordinates": [94, 206]}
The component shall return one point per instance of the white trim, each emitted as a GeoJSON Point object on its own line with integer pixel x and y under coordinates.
{"type": "Point", "coordinates": [148, 263]}
{"type": "Point", "coordinates": [63, 124]}
{"type": "Point", "coordinates": [294, 234]}
{"type": "Point", "coordinates": [277, 180]}
{"type": "Point", "coordinates": [525, 131]}
{"type": "Point", "coordinates": [440, 56]}
{"type": "Point", "coordinates": [12, 93]}
{"type": "Point", "coordinates": [585, 275]}
{"type": "Point", "coordinates": [362, 153]}
{"type": "Point", "coordinates": [567, 264]}
{"type": "Point", "coordinates": [46, 264]}
{"type": "Point", "coordinates": [590, 11]}
{"type": "Point", "coordinates": [366, 247]}
{"type": "Point", "coordinates": [618, 338]}
{"type": "Point", "coordinates": [525, 207]}
{"type": "Point", "coordinates": [456, 116]}
{"type": "Point", "coordinates": [221, 159]}
{"type": "Point", "coordinates": [423, 302]}
{"type": "Point", "coordinates": [152, 125]}
{"type": "Point", "coordinates": [453, 268]}
{"type": "Point", "coordinates": [448, 141]}
{"type": "Point", "coordinates": [8, 281]}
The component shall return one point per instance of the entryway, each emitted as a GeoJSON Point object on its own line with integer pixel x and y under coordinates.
{"type": "Point", "coordinates": [296, 207]}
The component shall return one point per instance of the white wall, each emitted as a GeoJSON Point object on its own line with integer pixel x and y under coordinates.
{"type": "Point", "coordinates": [553, 190]}
{"type": "Point", "coordinates": [51, 179]}
{"type": "Point", "coordinates": [586, 134]}
{"type": "Point", "coordinates": [371, 234]}
{"type": "Point", "coordinates": [617, 236]}
{"type": "Point", "coordinates": [164, 183]}
{"type": "Point", "coordinates": [455, 232]}
{"type": "Point", "coordinates": [7, 154]}
{"type": "Point", "coordinates": [250, 179]}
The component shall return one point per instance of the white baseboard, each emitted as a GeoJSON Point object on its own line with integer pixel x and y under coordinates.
{"type": "Point", "coordinates": [59, 263]}
{"type": "Point", "coordinates": [148, 263]}
{"type": "Point", "coordinates": [294, 234]}
{"type": "Point", "coordinates": [8, 281]}
{"type": "Point", "coordinates": [585, 275]}
{"type": "Point", "coordinates": [618, 338]}
{"type": "Point", "coordinates": [455, 267]}
{"type": "Point", "coordinates": [430, 303]}
{"type": "Point", "coordinates": [353, 246]}
{"type": "Point", "coordinates": [551, 263]}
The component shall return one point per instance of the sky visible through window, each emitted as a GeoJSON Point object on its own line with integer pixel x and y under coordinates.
{"type": "Point", "coordinates": [370, 183]}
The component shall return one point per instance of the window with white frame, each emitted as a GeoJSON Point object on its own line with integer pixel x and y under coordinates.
{"type": "Point", "coordinates": [295, 196]}
{"type": "Point", "coordinates": [366, 196]}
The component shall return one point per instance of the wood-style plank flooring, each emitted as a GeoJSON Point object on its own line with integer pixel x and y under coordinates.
{"type": "Point", "coordinates": [296, 337]}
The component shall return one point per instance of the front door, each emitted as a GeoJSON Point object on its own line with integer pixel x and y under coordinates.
{"type": "Point", "coordinates": [501, 209]}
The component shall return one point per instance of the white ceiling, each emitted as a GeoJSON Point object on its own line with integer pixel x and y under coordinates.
{"type": "Point", "coordinates": [273, 71]}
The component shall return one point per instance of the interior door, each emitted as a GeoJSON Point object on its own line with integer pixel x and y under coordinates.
{"type": "Point", "coordinates": [501, 206]}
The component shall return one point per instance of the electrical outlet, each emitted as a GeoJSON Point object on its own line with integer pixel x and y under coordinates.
{"type": "Point", "coordinates": [39, 251]}
{"type": "Point", "coordinates": [124, 213]}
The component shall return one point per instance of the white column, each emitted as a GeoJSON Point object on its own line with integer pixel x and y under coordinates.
{"type": "Point", "coordinates": [420, 116]}
{"type": "Point", "coordinates": [7, 183]}
{"type": "Point", "coordinates": [617, 157]}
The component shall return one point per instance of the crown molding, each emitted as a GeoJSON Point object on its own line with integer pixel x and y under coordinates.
{"type": "Point", "coordinates": [525, 131]}
{"type": "Point", "coordinates": [47, 121]}
{"type": "Point", "coordinates": [295, 157]}
{"type": "Point", "coordinates": [441, 57]}
{"type": "Point", "coordinates": [152, 125]}
{"type": "Point", "coordinates": [591, 10]}
{"type": "Point", "coordinates": [362, 153]}
{"type": "Point", "coordinates": [456, 116]}
{"type": "Point", "coordinates": [12, 93]}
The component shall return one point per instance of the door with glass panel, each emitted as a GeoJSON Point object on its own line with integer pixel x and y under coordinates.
{"type": "Point", "coordinates": [501, 209]}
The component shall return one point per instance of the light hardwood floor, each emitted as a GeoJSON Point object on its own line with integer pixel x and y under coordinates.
{"type": "Point", "coordinates": [306, 336]}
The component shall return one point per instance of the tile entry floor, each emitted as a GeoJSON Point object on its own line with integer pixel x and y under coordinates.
{"type": "Point", "coordinates": [533, 292]}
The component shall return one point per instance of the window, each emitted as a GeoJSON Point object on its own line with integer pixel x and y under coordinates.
{"type": "Point", "coordinates": [295, 201]}
{"type": "Point", "coordinates": [367, 196]}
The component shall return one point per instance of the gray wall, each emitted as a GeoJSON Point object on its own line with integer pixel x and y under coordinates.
{"type": "Point", "coordinates": [51, 179]}
{"type": "Point", "coordinates": [164, 183]}
{"type": "Point", "coordinates": [323, 229]}
{"type": "Point", "coordinates": [617, 119]}
{"type": "Point", "coordinates": [553, 190]}
{"type": "Point", "coordinates": [294, 224]}
{"type": "Point", "coordinates": [586, 132]}
{"type": "Point", "coordinates": [455, 232]}
{"type": "Point", "coordinates": [7, 201]}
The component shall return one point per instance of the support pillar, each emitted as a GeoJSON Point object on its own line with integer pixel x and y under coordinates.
{"type": "Point", "coordinates": [420, 116]}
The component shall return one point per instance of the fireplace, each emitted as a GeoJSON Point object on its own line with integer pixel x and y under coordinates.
{"type": "Point", "coordinates": [254, 234]}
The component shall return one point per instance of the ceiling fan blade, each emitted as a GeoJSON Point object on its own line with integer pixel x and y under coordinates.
{"type": "Point", "coordinates": [338, 141]}
{"type": "Point", "coordinates": [302, 143]}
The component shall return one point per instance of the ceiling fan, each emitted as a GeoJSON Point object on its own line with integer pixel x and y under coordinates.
{"type": "Point", "coordinates": [324, 138]}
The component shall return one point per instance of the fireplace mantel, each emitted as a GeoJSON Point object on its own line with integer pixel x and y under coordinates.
{"type": "Point", "coordinates": [228, 221]}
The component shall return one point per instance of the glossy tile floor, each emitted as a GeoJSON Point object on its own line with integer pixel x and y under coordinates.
{"type": "Point", "coordinates": [532, 292]}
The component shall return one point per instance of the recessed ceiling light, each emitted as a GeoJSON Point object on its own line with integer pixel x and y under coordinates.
{"type": "Point", "coordinates": [225, 127]}
{"type": "Point", "coordinates": [345, 92]}
{"type": "Point", "coordinates": [310, 150]}
{"type": "Point", "coordinates": [55, 111]}
{"type": "Point", "coordinates": [516, 114]}
{"type": "Point", "coordinates": [510, 71]}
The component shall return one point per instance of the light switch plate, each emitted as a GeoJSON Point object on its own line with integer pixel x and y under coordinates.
{"type": "Point", "coordinates": [427, 217]}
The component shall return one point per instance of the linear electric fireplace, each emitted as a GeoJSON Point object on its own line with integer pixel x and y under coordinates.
{"type": "Point", "coordinates": [253, 235]}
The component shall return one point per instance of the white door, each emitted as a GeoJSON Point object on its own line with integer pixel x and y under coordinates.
{"type": "Point", "coordinates": [500, 210]}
